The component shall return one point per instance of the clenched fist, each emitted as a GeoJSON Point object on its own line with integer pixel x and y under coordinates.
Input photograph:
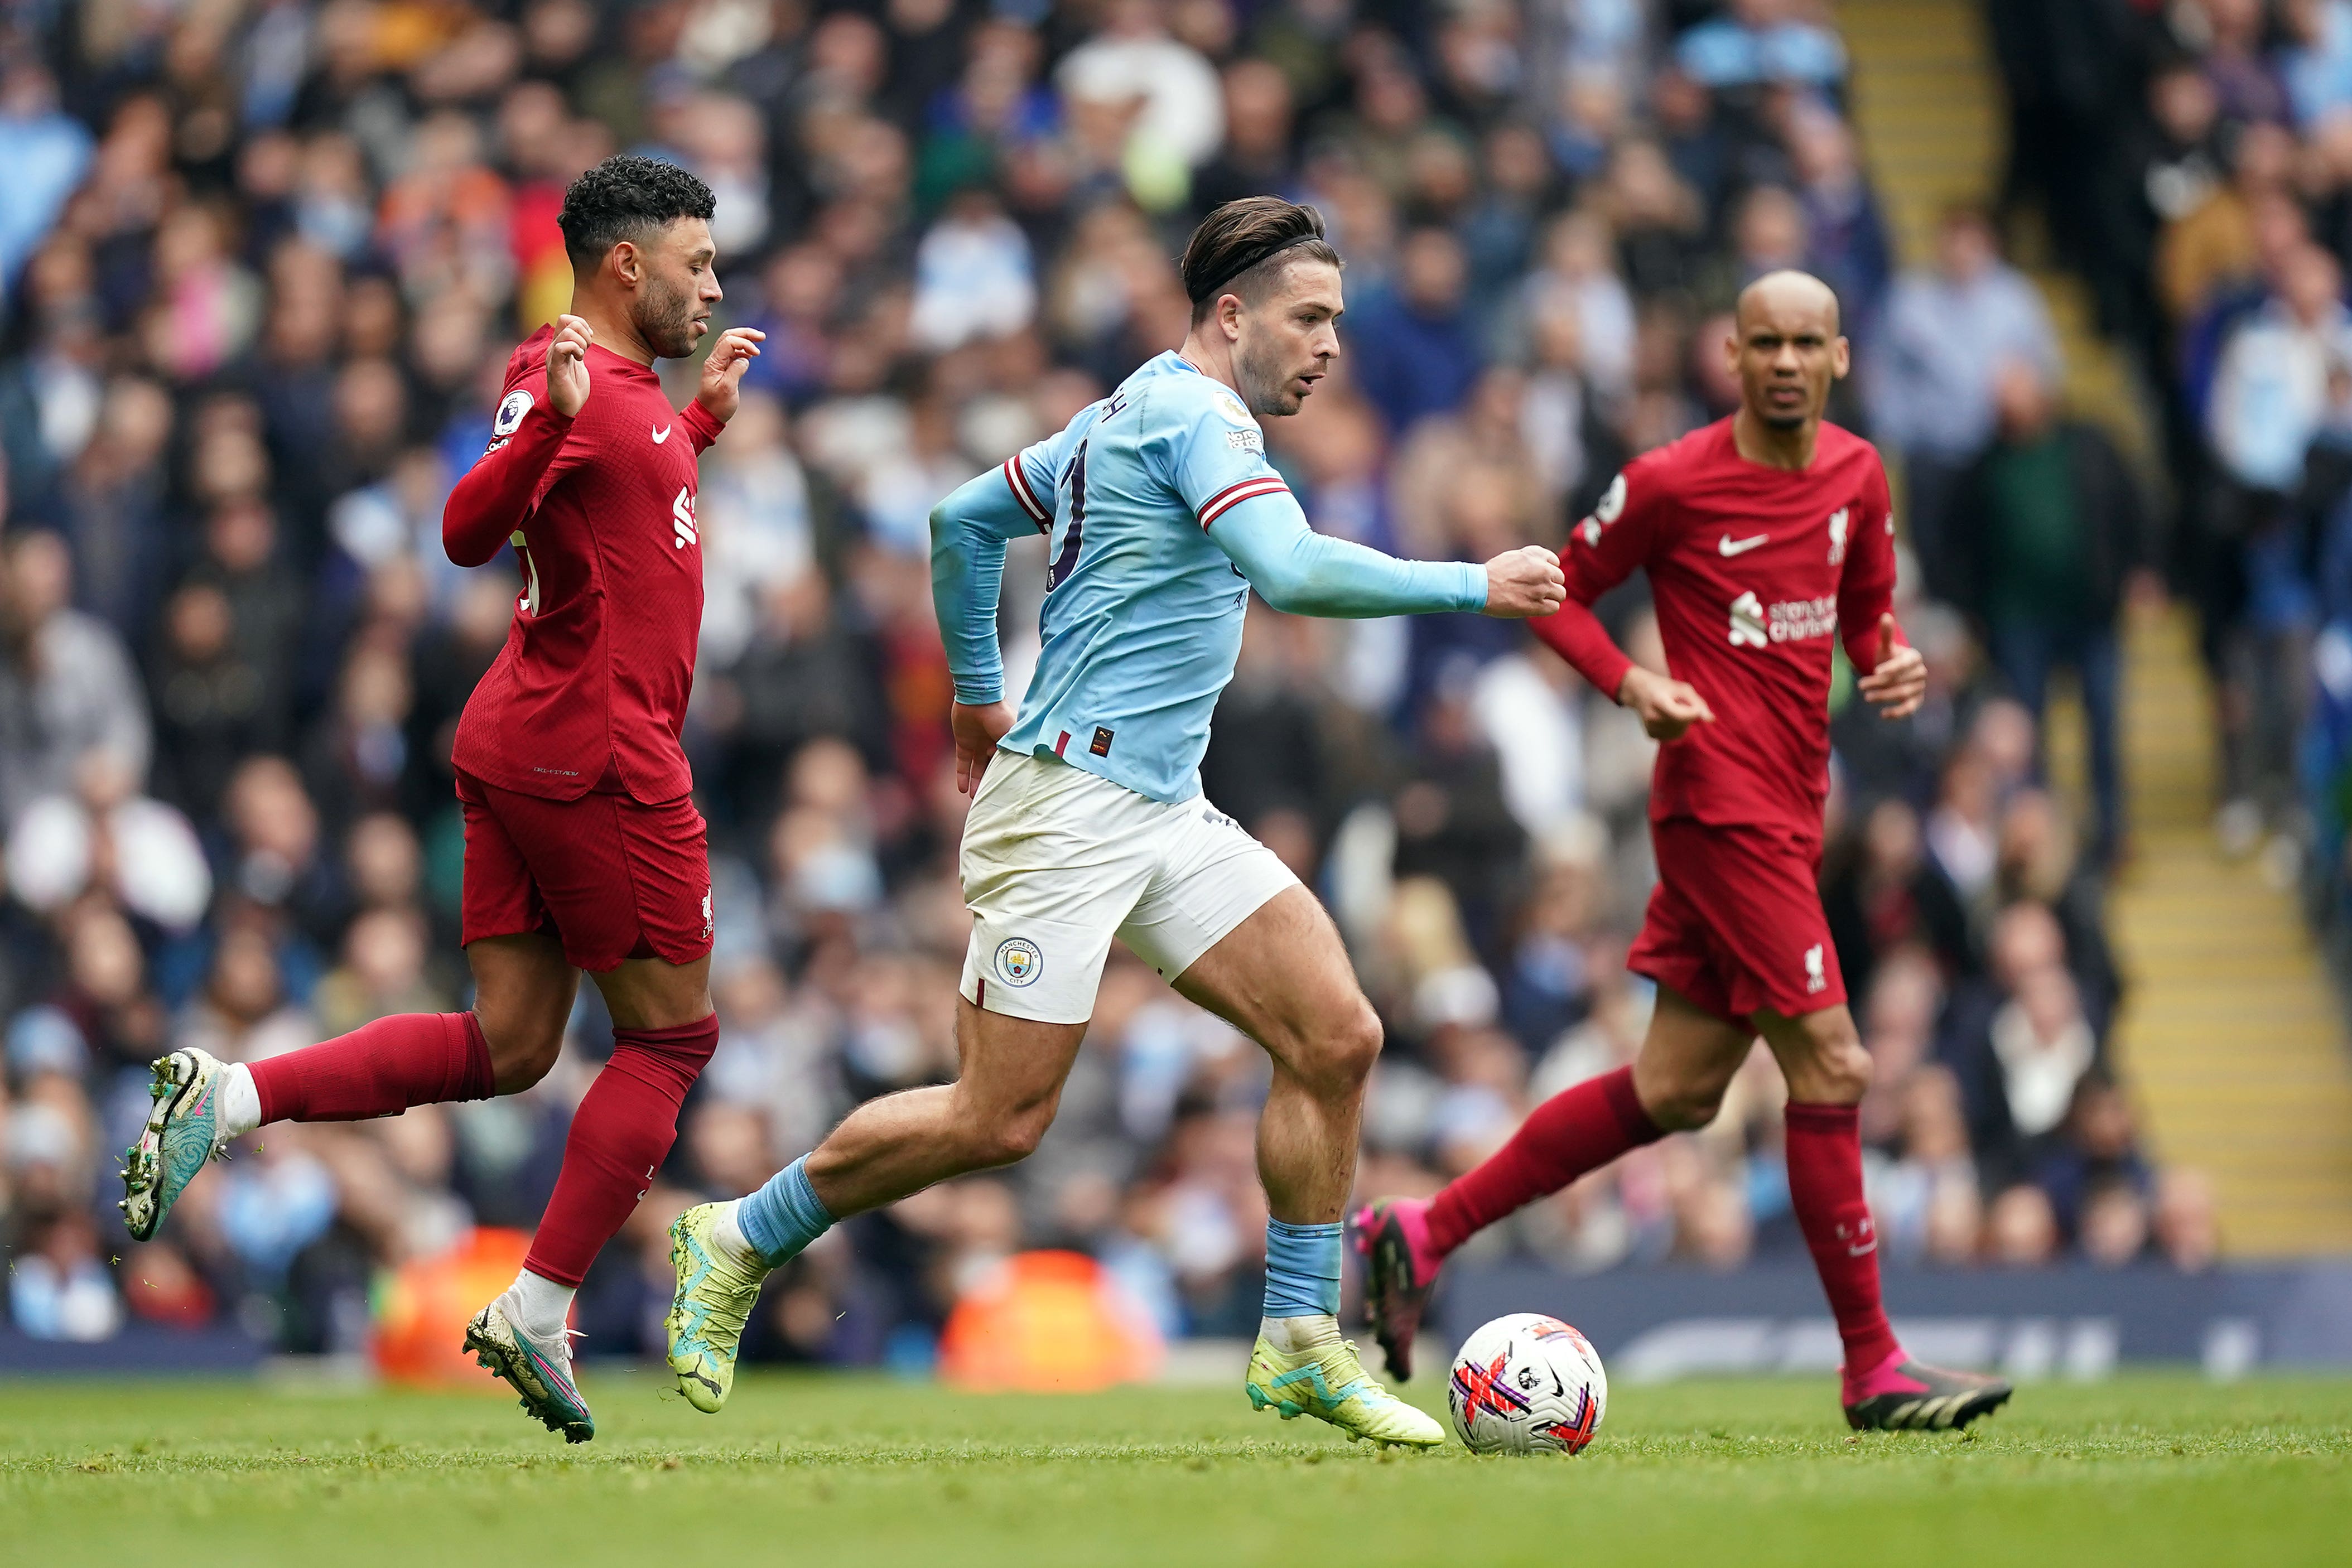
{"type": "Point", "coordinates": [1525, 582]}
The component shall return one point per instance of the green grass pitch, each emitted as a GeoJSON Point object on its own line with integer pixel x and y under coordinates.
{"type": "Point", "coordinates": [870, 1473]}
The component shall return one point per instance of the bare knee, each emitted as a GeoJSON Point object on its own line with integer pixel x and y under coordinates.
{"type": "Point", "coordinates": [1685, 1105]}
{"type": "Point", "coordinates": [523, 987]}
{"type": "Point", "coordinates": [1833, 1071]}
{"type": "Point", "coordinates": [1335, 1055]}
{"type": "Point", "coordinates": [1681, 1096]}
{"type": "Point", "coordinates": [524, 1044]}
{"type": "Point", "coordinates": [1005, 1137]}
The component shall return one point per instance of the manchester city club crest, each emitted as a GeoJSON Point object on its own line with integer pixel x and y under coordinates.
{"type": "Point", "coordinates": [1018, 962]}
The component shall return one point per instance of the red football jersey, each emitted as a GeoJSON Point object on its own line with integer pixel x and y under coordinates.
{"type": "Point", "coordinates": [1754, 570]}
{"type": "Point", "coordinates": [600, 509]}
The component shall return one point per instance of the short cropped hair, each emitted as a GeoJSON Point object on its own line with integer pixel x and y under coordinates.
{"type": "Point", "coordinates": [1244, 246]}
{"type": "Point", "coordinates": [624, 198]}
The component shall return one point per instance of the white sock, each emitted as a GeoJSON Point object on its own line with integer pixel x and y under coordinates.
{"type": "Point", "coordinates": [1291, 1335]}
{"type": "Point", "coordinates": [539, 1306]}
{"type": "Point", "coordinates": [727, 1231]}
{"type": "Point", "coordinates": [239, 1109]}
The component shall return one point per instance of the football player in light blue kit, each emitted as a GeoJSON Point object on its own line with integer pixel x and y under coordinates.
{"type": "Point", "coordinates": [1161, 514]}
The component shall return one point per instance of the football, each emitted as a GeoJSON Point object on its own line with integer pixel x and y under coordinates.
{"type": "Point", "coordinates": [1527, 1384]}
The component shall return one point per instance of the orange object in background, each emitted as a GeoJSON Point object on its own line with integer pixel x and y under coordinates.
{"type": "Point", "coordinates": [422, 1306]}
{"type": "Point", "coordinates": [1048, 1323]}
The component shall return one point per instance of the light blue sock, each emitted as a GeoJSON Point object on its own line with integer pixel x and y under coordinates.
{"type": "Point", "coordinates": [1302, 1270]}
{"type": "Point", "coordinates": [786, 1214]}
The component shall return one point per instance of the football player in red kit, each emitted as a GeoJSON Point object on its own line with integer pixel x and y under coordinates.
{"type": "Point", "coordinates": [582, 848]}
{"type": "Point", "coordinates": [1766, 536]}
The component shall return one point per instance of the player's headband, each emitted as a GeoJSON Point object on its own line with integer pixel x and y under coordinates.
{"type": "Point", "coordinates": [1248, 259]}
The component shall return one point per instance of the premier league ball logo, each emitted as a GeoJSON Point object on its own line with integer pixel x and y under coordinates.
{"type": "Point", "coordinates": [1018, 962]}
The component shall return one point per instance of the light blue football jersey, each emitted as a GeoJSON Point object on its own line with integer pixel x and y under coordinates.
{"type": "Point", "coordinates": [1155, 501]}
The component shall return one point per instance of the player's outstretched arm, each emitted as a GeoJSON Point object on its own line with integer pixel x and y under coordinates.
{"type": "Point", "coordinates": [495, 496]}
{"type": "Point", "coordinates": [1302, 572]}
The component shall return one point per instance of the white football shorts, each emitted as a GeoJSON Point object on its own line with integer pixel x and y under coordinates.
{"type": "Point", "coordinates": [1056, 862]}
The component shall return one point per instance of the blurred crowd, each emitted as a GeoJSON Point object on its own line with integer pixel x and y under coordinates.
{"type": "Point", "coordinates": [262, 263]}
{"type": "Point", "coordinates": [2195, 162]}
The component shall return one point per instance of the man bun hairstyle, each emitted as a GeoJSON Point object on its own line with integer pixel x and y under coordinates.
{"type": "Point", "coordinates": [624, 198]}
{"type": "Point", "coordinates": [1244, 246]}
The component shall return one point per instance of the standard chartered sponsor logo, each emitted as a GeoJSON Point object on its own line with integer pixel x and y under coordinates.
{"type": "Point", "coordinates": [1796, 618]}
{"type": "Point", "coordinates": [1755, 625]}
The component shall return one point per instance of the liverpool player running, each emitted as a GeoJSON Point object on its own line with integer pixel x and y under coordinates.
{"type": "Point", "coordinates": [582, 851]}
{"type": "Point", "coordinates": [1765, 536]}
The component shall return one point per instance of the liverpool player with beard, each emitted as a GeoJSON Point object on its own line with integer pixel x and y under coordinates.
{"type": "Point", "coordinates": [1766, 536]}
{"type": "Point", "coordinates": [583, 849]}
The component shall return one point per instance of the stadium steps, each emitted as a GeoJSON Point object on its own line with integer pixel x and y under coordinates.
{"type": "Point", "coordinates": [2232, 1037]}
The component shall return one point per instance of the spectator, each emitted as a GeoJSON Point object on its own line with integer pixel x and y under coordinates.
{"type": "Point", "coordinates": [1179, 115]}
{"type": "Point", "coordinates": [67, 691]}
{"type": "Point", "coordinates": [2316, 66]}
{"type": "Point", "coordinates": [1415, 354]}
{"type": "Point", "coordinates": [106, 838]}
{"type": "Point", "coordinates": [2269, 402]}
{"type": "Point", "coordinates": [260, 299]}
{"type": "Point", "coordinates": [1579, 282]}
{"type": "Point", "coordinates": [1930, 379]}
{"type": "Point", "coordinates": [2019, 1230]}
{"type": "Point", "coordinates": [2096, 1152]}
{"type": "Point", "coordinates": [44, 151]}
{"type": "Point", "coordinates": [2186, 1229]}
{"type": "Point", "coordinates": [1848, 248]}
{"type": "Point", "coordinates": [1925, 1201]}
{"type": "Point", "coordinates": [2058, 531]}
{"type": "Point", "coordinates": [1760, 42]}
{"type": "Point", "coordinates": [2017, 1075]}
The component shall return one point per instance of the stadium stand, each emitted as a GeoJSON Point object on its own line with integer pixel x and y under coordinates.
{"type": "Point", "coordinates": [262, 264]}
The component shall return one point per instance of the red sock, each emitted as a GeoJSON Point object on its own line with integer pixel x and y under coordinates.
{"type": "Point", "coordinates": [1825, 1187]}
{"type": "Point", "coordinates": [1575, 1131]}
{"type": "Point", "coordinates": [619, 1137]}
{"type": "Point", "coordinates": [378, 1070]}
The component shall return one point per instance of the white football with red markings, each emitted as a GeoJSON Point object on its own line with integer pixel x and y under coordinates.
{"type": "Point", "coordinates": [1527, 1384]}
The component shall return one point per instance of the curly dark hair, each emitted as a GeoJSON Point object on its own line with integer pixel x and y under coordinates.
{"type": "Point", "coordinates": [621, 198]}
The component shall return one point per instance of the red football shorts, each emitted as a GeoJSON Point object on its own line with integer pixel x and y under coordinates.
{"type": "Point", "coordinates": [608, 876]}
{"type": "Point", "coordinates": [1736, 924]}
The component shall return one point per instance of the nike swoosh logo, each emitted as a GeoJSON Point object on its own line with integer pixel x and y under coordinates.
{"type": "Point", "coordinates": [1730, 545]}
{"type": "Point", "coordinates": [663, 434]}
